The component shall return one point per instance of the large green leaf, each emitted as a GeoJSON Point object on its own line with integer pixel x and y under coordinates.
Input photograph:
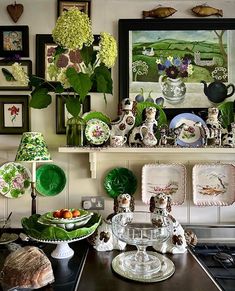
{"type": "Point", "coordinates": [86, 54]}
{"type": "Point", "coordinates": [80, 82]}
{"type": "Point", "coordinates": [103, 80]}
{"type": "Point", "coordinates": [73, 106]}
{"type": "Point", "coordinates": [98, 115]}
{"type": "Point", "coordinates": [226, 113]}
{"type": "Point", "coordinates": [40, 98]}
{"type": "Point", "coordinates": [36, 81]}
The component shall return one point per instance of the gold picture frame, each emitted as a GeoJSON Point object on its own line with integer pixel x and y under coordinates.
{"type": "Point", "coordinates": [65, 5]}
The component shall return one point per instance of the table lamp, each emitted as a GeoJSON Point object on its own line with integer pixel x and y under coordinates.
{"type": "Point", "coordinates": [33, 149]}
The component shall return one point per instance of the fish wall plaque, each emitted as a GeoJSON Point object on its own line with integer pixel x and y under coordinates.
{"type": "Point", "coordinates": [159, 12]}
{"type": "Point", "coordinates": [205, 10]}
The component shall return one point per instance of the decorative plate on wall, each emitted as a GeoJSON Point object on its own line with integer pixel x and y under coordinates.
{"type": "Point", "coordinates": [213, 184]}
{"type": "Point", "coordinates": [14, 180]}
{"type": "Point", "coordinates": [97, 132]}
{"type": "Point", "coordinates": [120, 181]}
{"type": "Point", "coordinates": [50, 180]}
{"type": "Point", "coordinates": [167, 178]}
{"type": "Point", "coordinates": [190, 137]}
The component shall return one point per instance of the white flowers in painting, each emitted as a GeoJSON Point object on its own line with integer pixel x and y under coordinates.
{"type": "Point", "coordinates": [19, 74]}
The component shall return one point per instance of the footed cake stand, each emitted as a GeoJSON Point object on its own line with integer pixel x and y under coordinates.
{"type": "Point", "coordinates": [62, 250]}
{"type": "Point", "coordinates": [139, 229]}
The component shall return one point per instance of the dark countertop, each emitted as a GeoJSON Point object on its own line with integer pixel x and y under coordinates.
{"type": "Point", "coordinates": [98, 275]}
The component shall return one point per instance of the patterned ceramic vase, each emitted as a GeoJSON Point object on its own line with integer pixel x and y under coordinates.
{"type": "Point", "coordinates": [75, 131]}
{"type": "Point", "coordinates": [173, 89]}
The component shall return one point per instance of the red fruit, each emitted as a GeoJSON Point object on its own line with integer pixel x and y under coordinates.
{"type": "Point", "coordinates": [76, 213]}
{"type": "Point", "coordinates": [57, 214]}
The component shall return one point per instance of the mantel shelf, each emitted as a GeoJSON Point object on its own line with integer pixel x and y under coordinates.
{"type": "Point", "coordinates": [93, 151]}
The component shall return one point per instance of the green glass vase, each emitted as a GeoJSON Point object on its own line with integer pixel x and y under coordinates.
{"type": "Point", "coordinates": [75, 131]}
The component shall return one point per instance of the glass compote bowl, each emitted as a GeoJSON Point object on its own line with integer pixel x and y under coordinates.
{"type": "Point", "coordinates": [139, 228]}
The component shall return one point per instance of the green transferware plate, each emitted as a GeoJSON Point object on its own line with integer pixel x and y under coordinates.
{"type": "Point", "coordinates": [120, 181]}
{"type": "Point", "coordinates": [50, 180]}
{"type": "Point", "coordinates": [14, 180]}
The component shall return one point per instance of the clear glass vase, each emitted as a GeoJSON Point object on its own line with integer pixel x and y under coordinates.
{"type": "Point", "coordinates": [75, 131]}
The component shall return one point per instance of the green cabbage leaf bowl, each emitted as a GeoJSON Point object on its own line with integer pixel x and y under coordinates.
{"type": "Point", "coordinates": [36, 230]}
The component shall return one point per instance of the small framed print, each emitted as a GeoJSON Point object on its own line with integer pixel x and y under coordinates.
{"type": "Point", "coordinates": [14, 40]}
{"type": "Point", "coordinates": [12, 85]}
{"type": "Point", "coordinates": [65, 5]}
{"type": "Point", "coordinates": [14, 114]}
{"type": "Point", "coordinates": [62, 115]}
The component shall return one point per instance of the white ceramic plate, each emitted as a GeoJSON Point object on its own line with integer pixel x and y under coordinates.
{"type": "Point", "coordinates": [167, 178]}
{"type": "Point", "coordinates": [192, 136]}
{"type": "Point", "coordinates": [213, 184]}
{"type": "Point", "coordinates": [14, 180]}
{"type": "Point", "coordinates": [97, 132]}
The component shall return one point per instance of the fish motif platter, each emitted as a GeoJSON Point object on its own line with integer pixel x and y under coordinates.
{"type": "Point", "coordinates": [213, 184]}
{"type": "Point", "coordinates": [164, 178]}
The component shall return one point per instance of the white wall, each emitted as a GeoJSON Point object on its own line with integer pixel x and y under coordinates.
{"type": "Point", "coordinates": [40, 16]}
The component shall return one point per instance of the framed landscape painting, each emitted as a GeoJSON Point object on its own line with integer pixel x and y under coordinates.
{"type": "Point", "coordinates": [14, 114]}
{"type": "Point", "coordinates": [150, 47]}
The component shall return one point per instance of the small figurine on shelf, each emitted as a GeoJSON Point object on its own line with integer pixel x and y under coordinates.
{"type": "Point", "coordinates": [103, 238]}
{"type": "Point", "coordinates": [160, 206]}
{"type": "Point", "coordinates": [144, 135]}
{"type": "Point", "coordinates": [126, 120]}
{"type": "Point", "coordinates": [211, 132]}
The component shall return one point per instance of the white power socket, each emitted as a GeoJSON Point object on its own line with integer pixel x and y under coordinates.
{"type": "Point", "coordinates": [93, 203]}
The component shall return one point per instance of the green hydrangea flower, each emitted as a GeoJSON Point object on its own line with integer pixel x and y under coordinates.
{"type": "Point", "coordinates": [73, 30]}
{"type": "Point", "coordinates": [19, 74]}
{"type": "Point", "coordinates": [108, 49]}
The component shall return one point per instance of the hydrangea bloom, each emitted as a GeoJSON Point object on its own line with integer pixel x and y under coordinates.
{"type": "Point", "coordinates": [108, 49]}
{"type": "Point", "coordinates": [19, 74]}
{"type": "Point", "coordinates": [73, 30]}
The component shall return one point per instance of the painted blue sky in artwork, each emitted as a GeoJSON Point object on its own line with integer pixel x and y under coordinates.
{"type": "Point", "coordinates": [190, 35]}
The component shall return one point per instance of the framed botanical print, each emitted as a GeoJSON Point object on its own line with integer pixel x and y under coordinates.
{"type": "Point", "coordinates": [62, 115]}
{"type": "Point", "coordinates": [65, 5]}
{"type": "Point", "coordinates": [47, 66]}
{"type": "Point", "coordinates": [14, 40]}
{"type": "Point", "coordinates": [6, 82]}
{"type": "Point", "coordinates": [15, 114]}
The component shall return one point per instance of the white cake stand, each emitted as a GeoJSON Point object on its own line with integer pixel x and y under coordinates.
{"type": "Point", "coordinates": [62, 250]}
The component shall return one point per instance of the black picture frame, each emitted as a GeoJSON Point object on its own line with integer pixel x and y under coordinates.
{"type": "Point", "coordinates": [63, 5]}
{"type": "Point", "coordinates": [60, 112]}
{"type": "Point", "coordinates": [14, 85]}
{"type": "Point", "coordinates": [125, 28]}
{"type": "Point", "coordinates": [16, 121]}
{"type": "Point", "coordinates": [14, 41]}
{"type": "Point", "coordinates": [42, 42]}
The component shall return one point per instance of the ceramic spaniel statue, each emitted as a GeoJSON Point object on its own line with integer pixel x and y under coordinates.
{"type": "Point", "coordinates": [126, 120]}
{"type": "Point", "coordinates": [160, 206]}
{"type": "Point", "coordinates": [103, 238]}
{"type": "Point", "coordinates": [144, 135]}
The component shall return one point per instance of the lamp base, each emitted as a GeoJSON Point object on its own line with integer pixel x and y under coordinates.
{"type": "Point", "coordinates": [33, 196]}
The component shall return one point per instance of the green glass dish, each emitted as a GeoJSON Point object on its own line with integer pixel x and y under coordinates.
{"type": "Point", "coordinates": [50, 180]}
{"type": "Point", "coordinates": [120, 181]}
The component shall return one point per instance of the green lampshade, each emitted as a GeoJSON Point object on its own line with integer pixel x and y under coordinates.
{"type": "Point", "coordinates": [32, 148]}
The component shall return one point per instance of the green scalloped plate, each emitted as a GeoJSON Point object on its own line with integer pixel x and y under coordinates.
{"type": "Point", "coordinates": [120, 181]}
{"type": "Point", "coordinates": [50, 180]}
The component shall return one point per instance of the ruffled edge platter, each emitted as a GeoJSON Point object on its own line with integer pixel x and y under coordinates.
{"type": "Point", "coordinates": [14, 180]}
{"type": "Point", "coordinates": [97, 132]}
{"type": "Point", "coordinates": [50, 180]}
{"type": "Point", "coordinates": [191, 137]}
{"type": "Point", "coordinates": [213, 184]}
{"type": "Point", "coordinates": [119, 181]}
{"type": "Point", "coordinates": [166, 271]}
{"type": "Point", "coordinates": [167, 178]}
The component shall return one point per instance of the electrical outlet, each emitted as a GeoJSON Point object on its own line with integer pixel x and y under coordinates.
{"type": "Point", "coordinates": [93, 202]}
